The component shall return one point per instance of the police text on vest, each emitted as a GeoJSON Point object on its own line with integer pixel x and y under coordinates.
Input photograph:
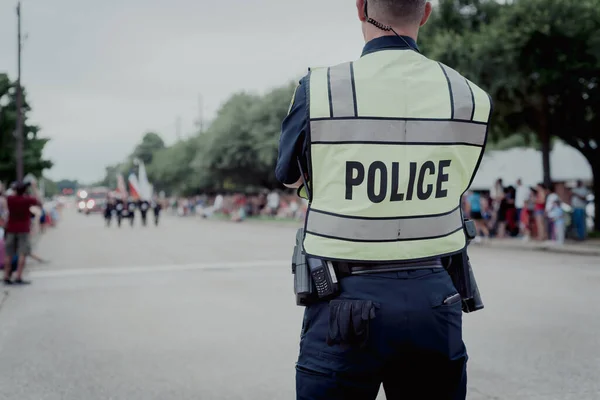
{"type": "Point", "coordinates": [355, 177]}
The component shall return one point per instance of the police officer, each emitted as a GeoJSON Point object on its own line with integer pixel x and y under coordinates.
{"type": "Point", "coordinates": [109, 209]}
{"type": "Point", "coordinates": [131, 206]}
{"type": "Point", "coordinates": [121, 210]}
{"type": "Point", "coordinates": [156, 208]}
{"type": "Point", "coordinates": [144, 206]}
{"type": "Point", "coordinates": [384, 147]}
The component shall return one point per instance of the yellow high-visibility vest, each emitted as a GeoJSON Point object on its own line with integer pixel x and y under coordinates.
{"type": "Point", "coordinates": [395, 141]}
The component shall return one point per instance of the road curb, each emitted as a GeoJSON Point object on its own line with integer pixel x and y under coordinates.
{"type": "Point", "coordinates": [494, 244]}
{"type": "Point", "coordinates": [590, 252]}
{"type": "Point", "coordinates": [273, 223]}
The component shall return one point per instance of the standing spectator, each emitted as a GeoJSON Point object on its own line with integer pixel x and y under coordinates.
{"type": "Point", "coordinates": [486, 209]}
{"type": "Point", "coordinates": [521, 197]}
{"type": "Point", "coordinates": [239, 210]}
{"type": "Point", "coordinates": [527, 213]}
{"type": "Point", "coordinates": [512, 221]}
{"type": "Point", "coordinates": [18, 228]}
{"type": "Point", "coordinates": [218, 204]}
{"type": "Point", "coordinates": [496, 196]}
{"type": "Point", "coordinates": [557, 216]}
{"type": "Point", "coordinates": [303, 209]}
{"type": "Point", "coordinates": [579, 202]}
{"type": "Point", "coordinates": [273, 203]}
{"type": "Point", "coordinates": [475, 212]}
{"type": "Point", "coordinates": [497, 192]}
{"type": "Point", "coordinates": [551, 198]}
{"type": "Point", "coordinates": [539, 211]}
{"type": "Point", "coordinates": [503, 216]}
{"type": "Point", "coordinates": [43, 220]}
{"type": "Point", "coordinates": [3, 217]}
{"type": "Point", "coordinates": [294, 207]}
{"type": "Point", "coordinates": [261, 204]}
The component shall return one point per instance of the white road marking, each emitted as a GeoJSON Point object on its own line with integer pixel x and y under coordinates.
{"type": "Point", "coordinates": [112, 270]}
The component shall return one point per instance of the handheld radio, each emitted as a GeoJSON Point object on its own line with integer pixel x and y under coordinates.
{"type": "Point", "coordinates": [323, 276]}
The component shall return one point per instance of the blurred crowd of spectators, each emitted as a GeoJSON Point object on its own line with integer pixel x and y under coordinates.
{"type": "Point", "coordinates": [45, 213]}
{"type": "Point", "coordinates": [528, 212]}
{"type": "Point", "coordinates": [536, 212]}
{"type": "Point", "coordinates": [240, 206]}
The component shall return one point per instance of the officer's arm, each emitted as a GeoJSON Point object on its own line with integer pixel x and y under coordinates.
{"type": "Point", "coordinates": [295, 185]}
{"type": "Point", "coordinates": [292, 140]}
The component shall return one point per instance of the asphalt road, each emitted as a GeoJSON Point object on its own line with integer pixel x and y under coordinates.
{"type": "Point", "coordinates": [198, 309]}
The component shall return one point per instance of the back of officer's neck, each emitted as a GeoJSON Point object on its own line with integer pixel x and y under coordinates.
{"type": "Point", "coordinates": [372, 32]}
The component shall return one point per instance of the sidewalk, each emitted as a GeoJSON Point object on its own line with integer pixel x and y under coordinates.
{"type": "Point", "coordinates": [590, 247]}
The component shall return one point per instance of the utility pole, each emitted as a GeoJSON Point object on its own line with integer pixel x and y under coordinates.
{"type": "Point", "coordinates": [19, 130]}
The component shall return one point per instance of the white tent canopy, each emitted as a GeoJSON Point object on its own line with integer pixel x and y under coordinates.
{"type": "Point", "coordinates": [566, 164]}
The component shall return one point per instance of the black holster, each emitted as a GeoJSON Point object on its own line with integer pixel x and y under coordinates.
{"type": "Point", "coordinates": [461, 273]}
{"type": "Point", "coordinates": [304, 289]}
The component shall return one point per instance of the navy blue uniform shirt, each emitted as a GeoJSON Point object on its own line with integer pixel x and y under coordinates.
{"type": "Point", "coordinates": [292, 143]}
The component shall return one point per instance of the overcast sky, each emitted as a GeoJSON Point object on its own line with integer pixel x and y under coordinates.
{"type": "Point", "coordinates": [101, 73]}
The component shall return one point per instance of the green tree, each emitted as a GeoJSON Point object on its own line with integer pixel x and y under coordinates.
{"type": "Point", "coordinates": [150, 144]}
{"type": "Point", "coordinates": [110, 176]}
{"type": "Point", "coordinates": [457, 17]}
{"type": "Point", "coordinates": [266, 129]}
{"type": "Point", "coordinates": [50, 187]}
{"type": "Point", "coordinates": [33, 145]}
{"type": "Point", "coordinates": [240, 146]}
{"type": "Point", "coordinates": [540, 61]}
{"type": "Point", "coordinates": [171, 168]}
{"type": "Point", "coordinates": [238, 150]}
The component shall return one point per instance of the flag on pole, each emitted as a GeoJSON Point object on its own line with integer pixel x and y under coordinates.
{"type": "Point", "coordinates": [145, 189]}
{"type": "Point", "coordinates": [134, 186]}
{"type": "Point", "coordinates": [121, 187]}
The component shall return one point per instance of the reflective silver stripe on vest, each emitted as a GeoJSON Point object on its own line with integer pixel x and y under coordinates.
{"type": "Point", "coordinates": [341, 91]}
{"type": "Point", "coordinates": [387, 131]}
{"type": "Point", "coordinates": [383, 230]}
{"type": "Point", "coordinates": [461, 95]}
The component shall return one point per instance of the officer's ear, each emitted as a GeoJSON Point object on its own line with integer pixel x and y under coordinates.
{"type": "Point", "coordinates": [360, 7]}
{"type": "Point", "coordinates": [426, 14]}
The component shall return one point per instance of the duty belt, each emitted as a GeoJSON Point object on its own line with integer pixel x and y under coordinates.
{"type": "Point", "coordinates": [346, 269]}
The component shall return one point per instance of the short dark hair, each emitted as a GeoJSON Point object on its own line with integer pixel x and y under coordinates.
{"type": "Point", "coordinates": [21, 188]}
{"type": "Point", "coordinates": [392, 12]}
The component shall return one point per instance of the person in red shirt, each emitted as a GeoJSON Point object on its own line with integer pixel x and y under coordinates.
{"type": "Point", "coordinates": [3, 215]}
{"type": "Point", "coordinates": [17, 229]}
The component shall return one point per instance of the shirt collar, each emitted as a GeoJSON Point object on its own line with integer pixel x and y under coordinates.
{"type": "Point", "coordinates": [389, 43]}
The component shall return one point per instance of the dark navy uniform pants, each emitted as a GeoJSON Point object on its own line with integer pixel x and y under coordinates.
{"type": "Point", "coordinates": [412, 341]}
